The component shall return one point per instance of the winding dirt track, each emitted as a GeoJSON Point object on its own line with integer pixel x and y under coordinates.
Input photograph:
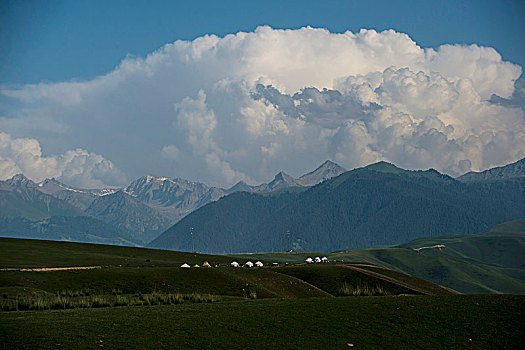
{"type": "Point", "coordinates": [48, 269]}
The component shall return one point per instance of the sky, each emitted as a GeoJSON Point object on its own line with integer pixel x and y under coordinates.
{"type": "Point", "coordinates": [98, 93]}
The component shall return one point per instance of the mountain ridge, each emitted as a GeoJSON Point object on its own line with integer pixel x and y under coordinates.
{"type": "Point", "coordinates": [516, 169]}
{"type": "Point", "coordinates": [360, 208]}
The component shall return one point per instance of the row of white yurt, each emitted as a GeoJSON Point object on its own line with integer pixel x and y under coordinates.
{"type": "Point", "coordinates": [247, 264]}
{"type": "Point", "coordinates": [316, 259]}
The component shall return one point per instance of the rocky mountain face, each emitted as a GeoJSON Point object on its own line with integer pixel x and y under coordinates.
{"type": "Point", "coordinates": [325, 172]}
{"type": "Point", "coordinates": [509, 171]}
{"type": "Point", "coordinates": [20, 197]}
{"type": "Point", "coordinates": [127, 213]}
{"type": "Point", "coordinates": [78, 198]}
{"type": "Point", "coordinates": [28, 212]}
{"type": "Point", "coordinates": [173, 198]}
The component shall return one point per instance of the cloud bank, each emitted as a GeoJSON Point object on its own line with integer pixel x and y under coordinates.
{"type": "Point", "coordinates": [75, 167]}
{"type": "Point", "coordinates": [247, 105]}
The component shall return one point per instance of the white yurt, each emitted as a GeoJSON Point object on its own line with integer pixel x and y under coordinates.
{"type": "Point", "coordinates": [185, 266]}
{"type": "Point", "coordinates": [248, 264]}
{"type": "Point", "coordinates": [324, 259]}
{"type": "Point", "coordinates": [317, 259]}
{"type": "Point", "coordinates": [234, 264]}
{"type": "Point", "coordinates": [308, 260]}
{"type": "Point", "coordinates": [259, 264]}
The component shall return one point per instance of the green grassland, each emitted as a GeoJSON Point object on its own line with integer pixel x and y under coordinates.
{"type": "Point", "coordinates": [455, 273]}
{"type": "Point", "coordinates": [41, 253]}
{"type": "Point", "coordinates": [490, 262]}
{"type": "Point", "coordinates": [138, 270]}
{"type": "Point", "coordinates": [503, 246]}
{"type": "Point", "coordinates": [141, 298]}
{"type": "Point", "coordinates": [423, 322]}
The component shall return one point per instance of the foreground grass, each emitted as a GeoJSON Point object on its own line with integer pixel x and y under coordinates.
{"type": "Point", "coordinates": [437, 322]}
{"type": "Point", "coordinates": [266, 283]}
{"type": "Point", "coordinates": [79, 301]}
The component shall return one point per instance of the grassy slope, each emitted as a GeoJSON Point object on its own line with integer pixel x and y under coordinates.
{"type": "Point", "coordinates": [217, 281]}
{"type": "Point", "coordinates": [453, 273]}
{"type": "Point", "coordinates": [38, 253]}
{"type": "Point", "coordinates": [127, 269]}
{"type": "Point", "coordinates": [490, 262]}
{"type": "Point", "coordinates": [443, 322]}
{"type": "Point", "coordinates": [456, 274]}
{"type": "Point", "coordinates": [503, 245]}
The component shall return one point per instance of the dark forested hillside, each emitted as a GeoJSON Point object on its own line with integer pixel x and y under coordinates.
{"type": "Point", "coordinates": [376, 205]}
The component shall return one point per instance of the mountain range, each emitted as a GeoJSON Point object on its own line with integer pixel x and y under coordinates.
{"type": "Point", "coordinates": [138, 212]}
{"type": "Point", "coordinates": [380, 204]}
{"type": "Point", "coordinates": [325, 209]}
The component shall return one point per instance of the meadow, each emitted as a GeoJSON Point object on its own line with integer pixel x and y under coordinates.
{"type": "Point", "coordinates": [141, 298]}
{"type": "Point", "coordinates": [424, 322]}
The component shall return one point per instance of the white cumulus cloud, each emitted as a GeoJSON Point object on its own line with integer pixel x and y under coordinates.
{"type": "Point", "coordinates": [76, 167]}
{"type": "Point", "coordinates": [247, 105]}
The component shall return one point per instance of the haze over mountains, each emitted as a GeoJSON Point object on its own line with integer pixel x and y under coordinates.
{"type": "Point", "coordinates": [139, 212]}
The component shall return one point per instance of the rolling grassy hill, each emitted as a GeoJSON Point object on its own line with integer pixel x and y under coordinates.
{"type": "Point", "coordinates": [133, 270]}
{"type": "Point", "coordinates": [490, 262]}
{"type": "Point", "coordinates": [289, 306]}
{"type": "Point", "coordinates": [503, 245]}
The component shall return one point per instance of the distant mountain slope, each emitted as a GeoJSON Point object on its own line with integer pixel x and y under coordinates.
{"type": "Point", "coordinates": [26, 201]}
{"type": "Point", "coordinates": [27, 212]}
{"type": "Point", "coordinates": [376, 205]}
{"type": "Point", "coordinates": [516, 169]}
{"type": "Point", "coordinates": [78, 229]}
{"type": "Point", "coordinates": [129, 214]}
{"type": "Point", "coordinates": [78, 198]}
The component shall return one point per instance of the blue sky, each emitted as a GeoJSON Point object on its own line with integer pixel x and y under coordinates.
{"type": "Point", "coordinates": [64, 40]}
{"type": "Point", "coordinates": [98, 93]}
